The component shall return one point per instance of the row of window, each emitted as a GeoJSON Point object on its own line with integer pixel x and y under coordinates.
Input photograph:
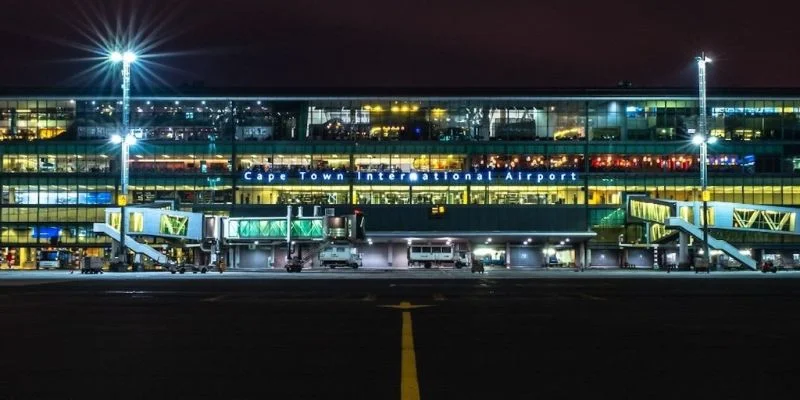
{"type": "Point", "coordinates": [366, 195]}
{"type": "Point", "coordinates": [657, 128]}
{"type": "Point", "coordinates": [45, 234]}
{"type": "Point", "coordinates": [410, 120]}
{"type": "Point", "coordinates": [220, 164]}
{"type": "Point", "coordinates": [255, 106]}
{"type": "Point", "coordinates": [52, 215]}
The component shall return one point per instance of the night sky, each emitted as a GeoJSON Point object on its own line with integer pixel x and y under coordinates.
{"type": "Point", "coordinates": [439, 43]}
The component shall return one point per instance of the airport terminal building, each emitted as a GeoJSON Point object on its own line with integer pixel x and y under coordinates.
{"type": "Point", "coordinates": [521, 178]}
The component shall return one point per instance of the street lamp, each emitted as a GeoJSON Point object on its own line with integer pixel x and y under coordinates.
{"type": "Point", "coordinates": [703, 139]}
{"type": "Point", "coordinates": [125, 141]}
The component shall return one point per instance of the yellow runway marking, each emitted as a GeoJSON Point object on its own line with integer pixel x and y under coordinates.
{"type": "Point", "coordinates": [409, 385]}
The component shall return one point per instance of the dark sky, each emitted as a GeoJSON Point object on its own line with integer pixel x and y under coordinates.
{"type": "Point", "coordinates": [441, 43]}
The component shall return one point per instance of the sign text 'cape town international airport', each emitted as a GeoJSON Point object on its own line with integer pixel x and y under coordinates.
{"type": "Point", "coordinates": [533, 177]}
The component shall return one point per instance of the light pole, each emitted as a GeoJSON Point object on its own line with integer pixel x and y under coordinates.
{"type": "Point", "coordinates": [703, 139]}
{"type": "Point", "coordinates": [125, 141]}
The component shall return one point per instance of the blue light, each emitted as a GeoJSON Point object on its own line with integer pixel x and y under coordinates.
{"type": "Point", "coordinates": [45, 232]}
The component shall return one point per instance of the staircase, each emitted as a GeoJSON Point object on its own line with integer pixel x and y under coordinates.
{"type": "Point", "coordinates": [309, 254]}
{"type": "Point", "coordinates": [725, 247]}
{"type": "Point", "coordinates": [131, 243]}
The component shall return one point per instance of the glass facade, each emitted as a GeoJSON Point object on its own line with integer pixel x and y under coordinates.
{"type": "Point", "coordinates": [58, 170]}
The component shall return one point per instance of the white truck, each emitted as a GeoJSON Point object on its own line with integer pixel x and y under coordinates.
{"type": "Point", "coordinates": [340, 255]}
{"type": "Point", "coordinates": [430, 255]}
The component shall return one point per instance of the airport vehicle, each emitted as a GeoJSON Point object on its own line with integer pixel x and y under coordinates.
{"type": "Point", "coordinates": [701, 265]}
{"type": "Point", "coordinates": [430, 255]}
{"type": "Point", "coordinates": [340, 255]}
{"type": "Point", "coordinates": [768, 266]}
{"type": "Point", "coordinates": [53, 259]}
{"type": "Point", "coordinates": [92, 265]}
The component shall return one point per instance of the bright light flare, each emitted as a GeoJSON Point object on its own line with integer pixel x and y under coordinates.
{"type": "Point", "coordinates": [128, 57]}
{"type": "Point", "coordinates": [698, 139]}
{"type": "Point", "coordinates": [130, 140]}
{"type": "Point", "coordinates": [115, 57]}
{"type": "Point", "coordinates": [712, 140]}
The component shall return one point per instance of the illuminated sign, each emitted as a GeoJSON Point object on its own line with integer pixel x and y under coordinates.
{"type": "Point", "coordinates": [754, 110]}
{"type": "Point", "coordinates": [534, 177]}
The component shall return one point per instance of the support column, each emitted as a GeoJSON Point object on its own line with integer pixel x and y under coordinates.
{"type": "Point", "coordinates": [588, 257]}
{"type": "Point", "coordinates": [114, 247]}
{"type": "Point", "coordinates": [302, 121]}
{"type": "Point", "coordinates": [623, 120]}
{"type": "Point", "coordinates": [288, 233]}
{"type": "Point", "coordinates": [508, 255]}
{"type": "Point", "coordinates": [353, 197]}
{"type": "Point", "coordinates": [683, 248]}
{"type": "Point", "coordinates": [390, 253]}
{"type": "Point", "coordinates": [581, 256]}
{"type": "Point", "coordinates": [232, 261]}
{"type": "Point", "coordinates": [484, 130]}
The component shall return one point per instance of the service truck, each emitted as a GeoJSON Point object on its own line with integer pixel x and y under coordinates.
{"type": "Point", "coordinates": [340, 255]}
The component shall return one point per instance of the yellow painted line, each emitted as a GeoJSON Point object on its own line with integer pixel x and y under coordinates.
{"type": "Point", "coordinates": [409, 385]}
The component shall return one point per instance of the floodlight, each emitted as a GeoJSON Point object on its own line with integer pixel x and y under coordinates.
{"type": "Point", "coordinates": [129, 57]}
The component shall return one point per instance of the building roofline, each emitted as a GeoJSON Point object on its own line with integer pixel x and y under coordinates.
{"type": "Point", "coordinates": [331, 93]}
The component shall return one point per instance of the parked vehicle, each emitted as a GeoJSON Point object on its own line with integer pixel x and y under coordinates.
{"type": "Point", "coordinates": [477, 266]}
{"type": "Point", "coordinates": [53, 259]}
{"type": "Point", "coordinates": [92, 265]}
{"type": "Point", "coordinates": [430, 255]}
{"type": "Point", "coordinates": [701, 265]}
{"type": "Point", "coordinates": [768, 266]}
{"type": "Point", "coordinates": [294, 264]}
{"type": "Point", "coordinates": [182, 268]}
{"type": "Point", "coordinates": [340, 255]}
